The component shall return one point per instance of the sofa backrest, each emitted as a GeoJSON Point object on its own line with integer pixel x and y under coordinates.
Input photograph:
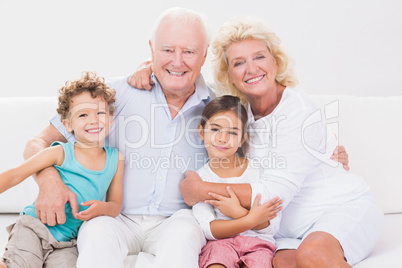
{"type": "Point", "coordinates": [369, 127]}
{"type": "Point", "coordinates": [22, 118]}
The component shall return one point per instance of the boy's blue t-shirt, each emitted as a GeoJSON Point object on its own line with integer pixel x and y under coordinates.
{"type": "Point", "coordinates": [86, 184]}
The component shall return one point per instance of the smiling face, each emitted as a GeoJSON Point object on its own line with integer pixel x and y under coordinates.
{"type": "Point", "coordinates": [178, 55]}
{"type": "Point", "coordinates": [90, 120]}
{"type": "Point", "coordinates": [222, 135]}
{"type": "Point", "coordinates": [252, 68]}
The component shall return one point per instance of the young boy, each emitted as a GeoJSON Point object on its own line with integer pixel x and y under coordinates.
{"type": "Point", "coordinates": [88, 168]}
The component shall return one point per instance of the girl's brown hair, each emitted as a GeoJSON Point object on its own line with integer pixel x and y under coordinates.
{"type": "Point", "coordinates": [223, 104]}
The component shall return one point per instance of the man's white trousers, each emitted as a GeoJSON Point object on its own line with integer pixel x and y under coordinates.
{"type": "Point", "coordinates": [175, 241]}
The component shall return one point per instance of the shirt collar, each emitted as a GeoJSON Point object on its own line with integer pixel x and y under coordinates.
{"type": "Point", "coordinates": [250, 114]}
{"type": "Point", "coordinates": [202, 92]}
{"type": "Point", "coordinates": [201, 88]}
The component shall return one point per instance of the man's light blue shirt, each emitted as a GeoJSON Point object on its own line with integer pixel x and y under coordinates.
{"type": "Point", "coordinates": [157, 150]}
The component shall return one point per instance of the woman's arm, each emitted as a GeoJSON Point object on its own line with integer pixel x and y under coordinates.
{"type": "Point", "coordinates": [114, 196]}
{"type": "Point", "coordinates": [45, 158]}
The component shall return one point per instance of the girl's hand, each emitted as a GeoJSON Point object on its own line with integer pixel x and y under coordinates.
{"type": "Point", "coordinates": [228, 206]}
{"type": "Point", "coordinates": [260, 214]}
{"type": "Point", "coordinates": [95, 209]}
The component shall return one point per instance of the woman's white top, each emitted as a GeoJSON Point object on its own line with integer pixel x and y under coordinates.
{"type": "Point", "coordinates": [293, 147]}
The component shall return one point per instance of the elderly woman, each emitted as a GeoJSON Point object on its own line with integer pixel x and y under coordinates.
{"type": "Point", "coordinates": [330, 218]}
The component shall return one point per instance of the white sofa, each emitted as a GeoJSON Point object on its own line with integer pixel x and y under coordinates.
{"type": "Point", "coordinates": [369, 127]}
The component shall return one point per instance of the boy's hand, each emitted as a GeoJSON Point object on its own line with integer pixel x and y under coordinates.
{"type": "Point", "coordinates": [228, 206]}
{"type": "Point", "coordinates": [96, 208]}
{"type": "Point", "coordinates": [263, 213]}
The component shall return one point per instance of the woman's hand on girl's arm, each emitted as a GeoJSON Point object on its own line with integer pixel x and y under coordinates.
{"type": "Point", "coordinates": [340, 155]}
{"type": "Point", "coordinates": [228, 206]}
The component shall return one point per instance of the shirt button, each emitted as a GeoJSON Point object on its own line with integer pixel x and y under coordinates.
{"type": "Point", "coordinates": [160, 178]}
{"type": "Point", "coordinates": [152, 204]}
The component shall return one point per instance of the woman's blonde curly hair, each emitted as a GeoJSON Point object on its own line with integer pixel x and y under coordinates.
{"type": "Point", "coordinates": [89, 82]}
{"type": "Point", "coordinates": [248, 28]}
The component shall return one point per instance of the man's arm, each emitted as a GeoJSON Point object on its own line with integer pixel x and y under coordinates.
{"type": "Point", "coordinates": [53, 193]}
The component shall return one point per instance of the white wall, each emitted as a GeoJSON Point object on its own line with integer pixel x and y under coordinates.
{"type": "Point", "coordinates": [340, 47]}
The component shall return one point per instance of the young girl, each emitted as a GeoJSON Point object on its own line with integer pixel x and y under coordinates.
{"type": "Point", "coordinates": [245, 236]}
{"type": "Point", "coordinates": [88, 168]}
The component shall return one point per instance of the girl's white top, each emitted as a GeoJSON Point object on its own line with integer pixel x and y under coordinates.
{"type": "Point", "coordinates": [206, 213]}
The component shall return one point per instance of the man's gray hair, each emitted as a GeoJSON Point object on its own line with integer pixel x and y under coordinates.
{"type": "Point", "coordinates": [182, 15]}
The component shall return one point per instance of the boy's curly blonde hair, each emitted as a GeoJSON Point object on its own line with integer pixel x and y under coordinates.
{"type": "Point", "coordinates": [89, 82]}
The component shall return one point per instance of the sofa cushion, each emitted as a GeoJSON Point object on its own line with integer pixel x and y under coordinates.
{"type": "Point", "coordinates": [387, 251]}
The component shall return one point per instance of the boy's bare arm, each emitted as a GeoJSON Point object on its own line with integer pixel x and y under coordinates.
{"type": "Point", "coordinates": [53, 193]}
{"type": "Point", "coordinates": [45, 158]}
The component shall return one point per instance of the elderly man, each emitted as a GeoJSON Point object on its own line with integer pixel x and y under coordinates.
{"type": "Point", "coordinates": [153, 130]}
